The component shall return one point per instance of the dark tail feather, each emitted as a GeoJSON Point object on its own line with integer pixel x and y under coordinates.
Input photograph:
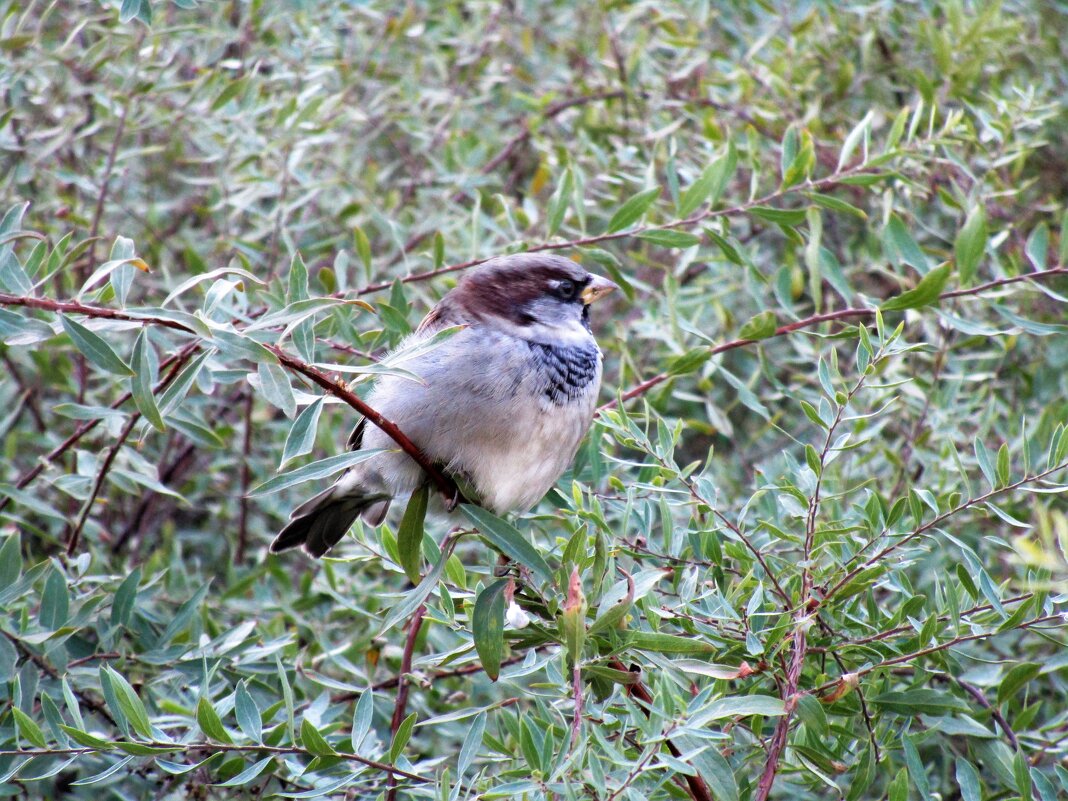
{"type": "Point", "coordinates": [319, 524]}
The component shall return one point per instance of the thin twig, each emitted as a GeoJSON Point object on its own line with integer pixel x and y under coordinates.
{"type": "Point", "coordinates": [109, 458]}
{"type": "Point", "coordinates": [816, 319]}
{"type": "Point", "coordinates": [698, 789]}
{"type": "Point", "coordinates": [445, 485]}
{"type": "Point", "coordinates": [400, 706]}
{"type": "Point", "coordinates": [246, 480]}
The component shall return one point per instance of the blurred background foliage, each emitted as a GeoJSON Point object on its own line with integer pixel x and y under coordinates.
{"type": "Point", "coordinates": [810, 551]}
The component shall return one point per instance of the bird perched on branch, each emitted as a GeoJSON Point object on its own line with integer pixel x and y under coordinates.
{"type": "Point", "coordinates": [502, 406]}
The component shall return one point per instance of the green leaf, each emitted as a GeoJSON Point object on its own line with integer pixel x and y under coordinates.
{"type": "Point", "coordinates": [835, 204]}
{"type": "Point", "coordinates": [28, 729]}
{"type": "Point", "coordinates": [400, 739]}
{"type": "Point", "coordinates": [780, 216]}
{"type": "Point", "coordinates": [301, 437]}
{"type": "Point", "coordinates": [901, 248]}
{"type": "Point", "coordinates": [125, 597]}
{"type": "Point", "coordinates": [95, 349]}
{"type": "Point", "coordinates": [917, 769]}
{"type": "Point", "coordinates": [689, 362]}
{"type": "Point", "coordinates": [248, 774]}
{"type": "Point", "coordinates": [668, 643]}
{"type": "Point", "coordinates": [923, 294]}
{"type": "Point", "coordinates": [487, 627]}
{"type": "Point", "coordinates": [132, 706]}
{"type": "Point", "coordinates": [710, 185]}
{"type": "Point", "coordinates": [968, 781]}
{"type": "Point", "coordinates": [1003, 465]}
{"type": "Point", "coordinates": [275, 386]}
{"type": "Point", "coordinates": [311, 472]}
{"type": "Point", "coordinates": [363, 246]}
{"type": "Point", "coordinates": [1017, 678]}
{"type": "Point", "coordinates": [86, 739]}
{"type": "Point", "coordinates": [668, 238]}
{"type": "Point", "coordinates": [899, 787]}
{"type": "Point", "coordinates": [970, 244]}
{"type": "Point", "coordinates": [739, 706]}
{"type": "Point", "coordinates": [1037, 247]}
{"type": "Point", "coordinates": [410, 533]}
{"type": "Point", "coordinates": [313, 741]}
{"type": "Point", "coordinates": [633, 209]}
{"type": "Point", "coordinates": [141, 383]}
{"type": "Point", "coordinates": [506, 538]}
{"type": "Point", "coordinates": [248, 714]}
{"type": "Point", "coordinates": [414, 599]}
{"type": "Point", "coordinates": [760, 326]}
{"type": "Point", "coordinates": [559, 202]}
{"type": "Point", "coordinates": [10, 559]}
{"type": "Point", "coordinates": [921, 701]}
{"type": "Point", "coordinates": [209, 722]}
{"type": "Point", "coordinates": [55, 602]}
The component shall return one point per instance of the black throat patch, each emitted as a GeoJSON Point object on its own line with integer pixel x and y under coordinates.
{"type": "Point", "coordinates": [568, 370]}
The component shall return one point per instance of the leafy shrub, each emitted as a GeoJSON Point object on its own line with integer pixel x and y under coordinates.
{"type": "Point", "coordinates": [815, 545]}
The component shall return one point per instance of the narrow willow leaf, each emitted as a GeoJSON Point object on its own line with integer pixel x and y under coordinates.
{"type": "Point", "coordinates": [248, 774]}
{"type": "Point", "coordinates": [209, 722]}
{"type": "Point", "coordinates": [487, 627]}
{"type": "Point", "coordinates": [782, 216]}
{"type": "Point", "coordinates": [710, 185]}
{"type": "Point", "coordinates": [94, 348]}
{"type": "Point", "coordinates": [668, 643]}
{"type": "Point", "coordinates": [1016, 679]}
{"type": "Point", "coordinates": [141, 383]}
{"type": "Point", "coordinates": [472, 742]}
{"type": "Point", "coordinates": [104, 774]}
{"type": "Point", "coordinates": [301, 437]}
{"type": "Point", "coordinates": [248, 715]}
{"type": "Point", "coordinates": [313, 741]}
{"type": "Point", "coordinates": [410, 533]}
{"type": "Point", "coordinates": [849, 146]}
{"type": "Point", "coordinates": [506, 538]}
{"type": "Point", "coordinates": [921, 701]}
{"type": "Point", "coordinates": [28, 729]}
{"type": "Point", "coordinates": [414, 599]}
{"type": "Point", "coordinates": [86, 739]}
{"type": "Point", "coordinates": [760, 326]}
{"type": "Point", "coordinates": [835, 204]}
{"type": "Point", "coordinates": [667, 238]}
{"type": "Point", "coordinates": [310, 472]}
{"type": "Point", "coordinates": [125, 597]}
{"type": "Point", "coordinates": [970, 244]}
{"type": "Point", "coordinates": [132, 706]}
{"type": "Point", "coordinates": [923, 294]}
{"type": "Point", "coordinates": [1037, 247]}
{"type": "Point", "coordinates": [400, 739]}
{"type": "Point", "coordinates": [55, 602]}
{"type": "Point", "coordinates": [901, 248]}
{"type": "Point", "coordinates": [275, 386]}
{"type": "Point", "coordinates": [559, 202]}
{"type": "Point", "coordinates": [633, 209]}
{"type": "Point", "coordinates": [361, 719]}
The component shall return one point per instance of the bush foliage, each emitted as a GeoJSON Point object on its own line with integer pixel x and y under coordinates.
{"type": "Point", "coordinates": [815, 544]}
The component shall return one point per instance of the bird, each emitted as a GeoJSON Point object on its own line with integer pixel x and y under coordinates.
{"type": "Point", "coordinates": [502, 404]}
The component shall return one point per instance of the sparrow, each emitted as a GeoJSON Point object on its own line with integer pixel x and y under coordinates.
{"type": "Point", "coordinates": [502, 404]}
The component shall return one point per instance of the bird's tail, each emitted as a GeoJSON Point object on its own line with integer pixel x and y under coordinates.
{"type": "Point", "coordinates": [320, 523]}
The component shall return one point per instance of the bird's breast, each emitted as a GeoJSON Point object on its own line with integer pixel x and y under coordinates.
{"type": "Point", "coordinates": [565, 372]}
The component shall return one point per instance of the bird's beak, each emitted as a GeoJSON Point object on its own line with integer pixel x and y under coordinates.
{"type": "Point", "coordinates": [596, 288]}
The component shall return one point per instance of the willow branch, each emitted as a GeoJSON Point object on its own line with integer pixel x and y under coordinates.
{"type": "Point", "coordinates": [841, 314]}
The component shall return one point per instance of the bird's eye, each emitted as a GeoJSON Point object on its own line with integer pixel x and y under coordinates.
{"type": "Point", "coordinates": [566, 289]}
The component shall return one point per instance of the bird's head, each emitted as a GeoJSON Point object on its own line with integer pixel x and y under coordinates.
{"type": "Point", "coordinates": [539, 297]}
